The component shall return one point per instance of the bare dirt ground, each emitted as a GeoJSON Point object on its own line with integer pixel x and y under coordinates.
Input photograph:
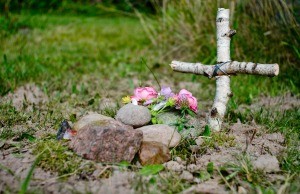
{"type": "Point", "coordinates": [263, 150]}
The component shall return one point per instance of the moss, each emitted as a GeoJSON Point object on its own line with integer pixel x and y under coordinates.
{"type": "Point", "coordinates": [58, 158]}
{"type": "Point", "coordinates": [219, 139]}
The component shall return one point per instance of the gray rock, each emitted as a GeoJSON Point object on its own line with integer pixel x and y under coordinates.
{"type": "Point", "coordinates": [267, 163]}
{"type": "Point", "coordinates": [90, 120]}
{"type": "Point", "coordinates": [161, 133]}
{"type": "Point", "coordinates": [195, 123]}
{"type": "Point", "coordinates": [168, 118]}
{"type": "Point", "coordinates": [197, 127]}
{"type": "Point", "coordinates": [108, 141]}
{"type": "Point", "coordinates": [190, 133]}
{"type": "Point", "coordinates": [134, 115]}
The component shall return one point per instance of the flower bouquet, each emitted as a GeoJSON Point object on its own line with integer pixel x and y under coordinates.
{"type": "Point", "coordinates": [183, 103]}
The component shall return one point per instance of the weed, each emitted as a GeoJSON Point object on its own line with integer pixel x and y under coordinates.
{"type": "Point", "coordinates": [57, 158]}
{"type": "Point", "coordinates": [167, 182]}
{"type": "Point", "coordinates": [110, 111]}
{"type": "Point", "coordinates": [10, 116]}
{"type": "Point", "coordinates": [183, 149]}
{"type": "Point", "coordinates": [285, 122]}
{"type": "Point", "coordinates": [243, 173]}
{"type": "Point", "coordinates": [187, 148]}
{"type": "Point", "coordinates": [219, 139]}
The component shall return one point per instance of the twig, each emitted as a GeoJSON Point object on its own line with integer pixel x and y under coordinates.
{"type": "Point", "coordinates": [144, 62]}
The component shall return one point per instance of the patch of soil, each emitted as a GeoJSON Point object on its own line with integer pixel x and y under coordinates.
{"type": "Point", "coordinates": [14, 169]}
{"type": "Point", "coordinates": [210, 186]}
{"type": "Point", "coordinates": [279, 103]}
{"type": "Point", "coordinates": [26, 97]}
{"type": "Point", "coordinates": [248, 139]}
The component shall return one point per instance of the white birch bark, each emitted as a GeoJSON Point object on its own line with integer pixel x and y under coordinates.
{"type": "Point", "coordinates": [230, 68]}
{"type": "Point", "coordinates": [223, 92]}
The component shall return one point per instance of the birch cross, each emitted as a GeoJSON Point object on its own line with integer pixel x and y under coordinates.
{"type": "Point", "coordinates": [223, 69]}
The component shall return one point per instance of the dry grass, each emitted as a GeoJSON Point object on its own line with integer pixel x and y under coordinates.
{"type": "Point", "coordinates": [185, 30]}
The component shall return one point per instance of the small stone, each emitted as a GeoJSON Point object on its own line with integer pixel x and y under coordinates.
{"type": "Point", "coordinates": [108, 141]}
{"type": "Point", "coordinates": [154, 153]}
{"type": "Point", "coordinates": [186, 175]}
{"type": "Point", "coordinates": [267, 163]}
{"type": "Point", "coordinates": [209, 186]}
{"type": "Point", "coordinates": [193, 168]}
{"type": "Point", "coordinates": [199, 141]}
{"type": "Point", "coordinates": [90, 119]}
{"type": "Point", "coordinates": [242, 190]}
{"type": "Point", "coordinates": [161, 133]}
{"type": "Point", "coordinates": [134, 115]}
{"type": "Point", "coordinates": [179, 160]}
{"type": "Point", "coordinates": [174, 166]}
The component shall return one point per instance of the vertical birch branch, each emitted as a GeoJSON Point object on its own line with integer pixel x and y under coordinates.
{"type": "Point", "coordinates": [223, 92]}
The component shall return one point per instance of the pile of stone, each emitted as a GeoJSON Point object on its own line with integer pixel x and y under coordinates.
{"type": "Point", "coordinates": [105, 139]}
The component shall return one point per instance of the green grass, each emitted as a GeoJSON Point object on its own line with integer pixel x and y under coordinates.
{"type": "Point", "coordinates": [56, 157]}
{"type": "Point", "coordinates": [61, 49]}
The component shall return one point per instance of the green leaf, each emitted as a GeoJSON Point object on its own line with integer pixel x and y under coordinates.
{"type": "Point", "coordinates": [27, 179]}
{"type": "Point", "coordinates": [204, 175]}
{"type": "Point", "coordinates": [191, 113]}
{"type": "Point", "coordinates": [210, 167]}
{"type": "Point", "coordinates": [27, 136]}
{"type": "Point", "coordinates": [207, 131]}
{"type": "Point", "coordinates": [180, 127]}
{"type": "Point", "coordinates": [91, 101]}
{"type": "Point", "coordinates": [232, 175]}
{"type": "Point", "coordinates": [151, 169]}
{"type": "Point", "coordinates": [124, 164]}
{"type": "Point", "coordinates": [154, 120]}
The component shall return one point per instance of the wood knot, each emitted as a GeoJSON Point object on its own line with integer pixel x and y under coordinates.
{"type": "Point", "coordinates": [230, 94]}
{"type": "Point", "coordinates": [213, 112]}
{"type": "Point", "coordinates": [230, 33]}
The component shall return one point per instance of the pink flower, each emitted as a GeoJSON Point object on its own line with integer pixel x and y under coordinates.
{"type": "Point", "coordinates": [144, 94]}
{"type": "Point", "coordinates": [186, 99]}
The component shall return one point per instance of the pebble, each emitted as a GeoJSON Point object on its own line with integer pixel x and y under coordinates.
{"type": "Point", "coordinates": [174, 166]}
{"type": "Point", "coordinates": [186, 175]}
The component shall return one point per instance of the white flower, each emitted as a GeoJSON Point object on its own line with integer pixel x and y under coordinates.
{"type": "Point", "coordinates": [134, 101]}
{"type": "Point", "coordinates": [159, 105]}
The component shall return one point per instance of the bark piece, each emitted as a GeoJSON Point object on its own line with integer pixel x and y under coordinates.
{"type": "Point", "coordinates": [230, 68]}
